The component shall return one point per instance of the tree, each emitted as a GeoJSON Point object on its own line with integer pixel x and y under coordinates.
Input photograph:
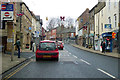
{"type": "Point", "coordinates": [55, 22]}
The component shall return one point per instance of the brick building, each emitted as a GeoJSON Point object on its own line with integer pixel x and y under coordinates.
{"type": "Point", "coordinates": [83, 20]}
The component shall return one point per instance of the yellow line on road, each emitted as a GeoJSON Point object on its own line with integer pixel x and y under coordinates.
{"type": "Point", "coordinates": [14, 72]}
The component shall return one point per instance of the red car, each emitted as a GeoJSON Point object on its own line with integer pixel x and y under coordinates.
{"type": "Point", "coordinates": [47, 50]}
{"type": "Point", "coordinates": [60, 45]}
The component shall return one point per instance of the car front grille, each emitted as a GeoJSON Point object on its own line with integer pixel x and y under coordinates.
{"type": "Point", "coordinates": [47, 53]}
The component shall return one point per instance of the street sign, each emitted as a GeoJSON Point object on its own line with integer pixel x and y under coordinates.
{"type": "Point", "coordinates": [7, 7]}
{"type": "Point", "coordinates": [3, 7]}
{"type": "Point", "coordinates": [6, 15]}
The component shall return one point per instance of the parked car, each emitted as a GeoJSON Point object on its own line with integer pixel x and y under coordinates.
{"type": "Point", "coordinates": [60, 45]}
{"type": "Point", "coordinates": [47, 50]}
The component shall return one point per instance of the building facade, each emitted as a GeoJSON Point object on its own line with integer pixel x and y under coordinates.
{"type": "Point", "coordinates": [83, 27]}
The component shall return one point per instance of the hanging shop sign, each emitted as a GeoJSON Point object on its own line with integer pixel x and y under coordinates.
{"type": "Point", "coordinates": [108, 26]}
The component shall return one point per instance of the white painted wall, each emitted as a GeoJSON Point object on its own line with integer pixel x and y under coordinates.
{"type": "Point", "coordinates": [110, 11]}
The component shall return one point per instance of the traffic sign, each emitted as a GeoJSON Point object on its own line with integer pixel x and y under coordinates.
{"type": "Point", "coordinates": [7, 7]}
{"type": "Point", "coordinates": [3, 7]}
{"type": "Point", "coordinates": [7, 14]}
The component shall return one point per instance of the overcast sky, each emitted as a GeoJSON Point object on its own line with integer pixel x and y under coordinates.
{"type": "Point", "coordinates": [56, 8]}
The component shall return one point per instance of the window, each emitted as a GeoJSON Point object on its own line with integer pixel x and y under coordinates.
{"type": "Point", "coordinates": [115, 3]}
{"type": "Point", "coordinates": [109, 4]}
{"type": "Point", "coordinates": [109, 19]}
{"type": "Point", "coordinates": [115, 20]}
{"type": "Point", "coordinates": [102, 27]}
{"type": "Point", "coordinates": [47, 46]}
{"type": "Point", "coordinates": [102, 13]}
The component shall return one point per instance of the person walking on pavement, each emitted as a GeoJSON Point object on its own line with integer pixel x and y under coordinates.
{"type": "Point", "coordinates": [18, 47]}
{"type": "Point", "coordinates": [33, 46]}
{"type": "Point", "coordinates": [103, 46]}
{"type": "Point", "coordinates": [31, 43]}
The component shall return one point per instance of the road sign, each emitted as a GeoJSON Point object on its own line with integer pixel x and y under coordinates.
{"type": "Point", "coordinates": [6, 7]}
{"type": "Point", "coordinates": [3, 7]}
{"type": "Point", "coordinates": [6, 15]}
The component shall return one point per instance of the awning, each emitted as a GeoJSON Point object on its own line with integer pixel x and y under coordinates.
{"type": "Point", "coordinates": [108, 34]}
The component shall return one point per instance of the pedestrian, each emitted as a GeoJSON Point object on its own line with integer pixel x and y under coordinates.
{"type": "Point", "coordinates": [31, 43]}
{"type": "Point", "coordinates": [18, 47]}
{"type": "Point", "coordinates": [103, 46]}
{"type": "Point", "coordinates": [33, 46]}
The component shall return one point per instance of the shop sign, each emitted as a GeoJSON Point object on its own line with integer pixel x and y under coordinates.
{"type": "Point", "coordinates": [108, 26]}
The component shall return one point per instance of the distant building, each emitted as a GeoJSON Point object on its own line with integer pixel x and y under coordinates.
{"type": "Point", "coordinates": [83, 20]}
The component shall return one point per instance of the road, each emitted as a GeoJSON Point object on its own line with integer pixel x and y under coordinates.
{"type": "Point", "coordinates": [73, 63]}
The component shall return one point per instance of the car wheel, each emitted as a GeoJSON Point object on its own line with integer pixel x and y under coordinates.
{"type": "Point", "coordinates": [56, 59]}
{"type": "Point", "coordinates": [37, 59]}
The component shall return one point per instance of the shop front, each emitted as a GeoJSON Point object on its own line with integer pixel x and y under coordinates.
{"type": "Point", "coordinates": [107, 37]}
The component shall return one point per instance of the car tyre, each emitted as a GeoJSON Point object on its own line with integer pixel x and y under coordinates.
{"type": "Point", "coordinates": [37, 59]}
{"type": "Point", "coordinates": [56, 59]}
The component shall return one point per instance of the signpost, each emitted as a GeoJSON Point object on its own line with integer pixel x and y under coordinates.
{"type": "Point", "coordinates": [7, 14]}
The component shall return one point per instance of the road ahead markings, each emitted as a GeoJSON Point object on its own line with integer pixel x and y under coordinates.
{"type": "Point", "coordinates": [85, 61]}
{"type": "Point", "coordinates": [106, 73]}
{"type": "Point", "coordinates": [75, 56]}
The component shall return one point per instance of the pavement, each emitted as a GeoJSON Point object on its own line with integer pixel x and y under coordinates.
{"type": "Point", "coordinates": [110, 54]}
{"type": "Point", "coordinates": [5, 61]}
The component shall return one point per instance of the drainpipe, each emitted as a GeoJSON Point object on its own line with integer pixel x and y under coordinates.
{"type": "Point", "coordinates": [119, 30]}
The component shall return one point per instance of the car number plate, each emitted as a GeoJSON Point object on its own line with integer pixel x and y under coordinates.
{"type": "Point", "coordinates": [46, 56]}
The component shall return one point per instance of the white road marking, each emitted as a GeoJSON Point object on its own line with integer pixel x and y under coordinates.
{"type": "Point", "coordinates": [106, 73]}
{"type": "Point", "coordinates": [66, 51]}
{"type": "Point", "coordinates": [75, 56]}
{"type": "Point", "coordinates": [32, 56]}
{"type": "Point", "coordinates": [75, 62]}
{"type": "Point", "coordinates": [69, 53]}
{"type": "Point", "coordinates": [85, 61]}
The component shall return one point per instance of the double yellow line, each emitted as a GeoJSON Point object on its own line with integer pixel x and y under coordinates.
{"type": "Point", "coordinates": [15, 71]}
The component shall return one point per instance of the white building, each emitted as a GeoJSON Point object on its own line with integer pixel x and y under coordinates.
{"type": "Point", "coordinates": [106, 22]}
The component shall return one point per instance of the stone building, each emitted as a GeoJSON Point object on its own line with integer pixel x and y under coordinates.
{"type": "Point", "coordinates": [8, 30]}
{"type": "Point", "coordinates": [26, 26]}
{"type": "Point", "coordinates": [91, 28]}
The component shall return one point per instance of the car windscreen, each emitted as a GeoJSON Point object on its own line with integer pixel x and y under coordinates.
{"type": "Point", "coordinates": [59, 43]}
{"type": "Point", "coordinates": [47, 46]}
